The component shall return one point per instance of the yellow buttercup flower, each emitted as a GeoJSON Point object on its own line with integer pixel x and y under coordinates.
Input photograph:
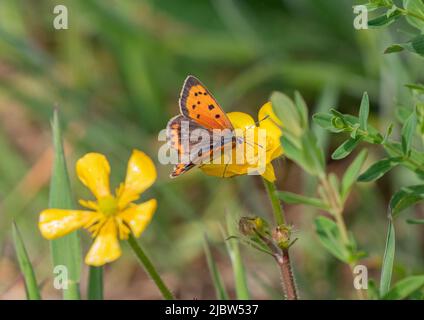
{"type": "Point", "coordinates": [111, 217]}
{"type": "Point", "coordinates": [252, 146]}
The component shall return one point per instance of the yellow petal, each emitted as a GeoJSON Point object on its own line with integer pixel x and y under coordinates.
{"type": "Point", "coordinates": [55, 223]}
{"type": "Point", "coordinates": [215, 170]}
{"type": "Point", "coordinates": [93, 170]}
{"type": "Point", "coordinates": [272, 123]}
{"type": "Point", "coordinates": [106, 247]}
{"type": "Point", "coordinates": [274, 149]}
{"type": "Point", "coordinates": [141, 174]}
{"type": "Point", "coordinates": [277, 152]}
{"type": "Point", "coordinates": [240, 120]}
{"type": "Point", "coordinates": [269, 173]}
{"type": "Point", "coordinates": [93, 205]}
{"type": "Point", "coordinates": [139, 216]}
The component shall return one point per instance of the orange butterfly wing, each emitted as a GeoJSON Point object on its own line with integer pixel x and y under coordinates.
{"type": "Point", "coordinates": [178, 138]}
{"type": "Point", "coordinates": [198, 104]}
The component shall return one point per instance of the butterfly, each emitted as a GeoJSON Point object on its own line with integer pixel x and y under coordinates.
{"type": "Point", "coordinates": [198, 110]}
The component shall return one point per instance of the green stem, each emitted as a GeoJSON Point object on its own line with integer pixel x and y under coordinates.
{"type": "Point", "coordinates": [287, 276]}
{"type": "Point", "coordinates": [337, 211]}
{"type": "Point", "coordinates": [392, 148]}
{"type": "Point", "coordinates": [95, 283]}
{"type": "Point", "coordinates": [72, 292]}
{"type": "Point", "coordinates": [150, 269]}
{"type": "Point", "coordinates": [277, 210]}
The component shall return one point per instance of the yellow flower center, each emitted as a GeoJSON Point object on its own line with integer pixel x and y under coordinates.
{"type": "Point", "coordinates": [108, 205]}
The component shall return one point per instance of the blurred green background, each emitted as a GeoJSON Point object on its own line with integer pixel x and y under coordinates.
{"type": "Point", "coordinates": [115, 76]}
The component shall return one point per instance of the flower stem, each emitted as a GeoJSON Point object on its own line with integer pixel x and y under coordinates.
{"type": "Point", "coordinates": [337, 211]}
{"type": "Point", "coordinates": [95, 284]}
{"type": "Point", "coordinates": [277, 210]}
{"type": "Point", "coordinates": [283, 260]}
{"type": "Point", "coordinates": [287, 275]}
{"type": "Point", "coordinates": [150, 269]}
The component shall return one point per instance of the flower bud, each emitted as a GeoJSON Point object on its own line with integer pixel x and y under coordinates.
{"type": "Point", "coordinates": [281, 235]}
{"type": "Point", "coordinates": [338, 123]}
{"type": "Point", "coordinates": [249, 226]}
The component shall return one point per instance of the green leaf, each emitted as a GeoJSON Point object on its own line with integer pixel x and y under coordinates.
{"type": "Point", "coordinates": [417, 7]}
{"type": "Point", "coordinates": [295, 153]}
{"type": "Point", "coordinates": [372, 290]}
{"type": "Point", "coordinates": [293, 198]}
{"type": "Point", "coordinates": [287, 112]}
{"type": "Point", "coordinates": [415, 221]}
{"type": "Point", "coordinates": [405, 287]}
{"type": "Point", "coordinates": [385, 19]}
{"type": "Point", "coordinates": [302, 109]}
{"type": "Point", "coordinates": [291, 150]}
{"type": "Point", "coordinates": [325, 121]}
{"type": "Point", "coordinates": [345, 148]}
{"type": "Point", "coordinates": [95, 283]}
{"type": "Point", "coordinates": [408, 131]}
{"type": "Point", "coordinates": [388, 132]}
{"type": "Point", "coordinates": [240, 279]}
{"type": "Point", "coordinates": [220, 290]}
{"type": "Point", "coordinates": [364, 111]}
{"type": "Point", "coordinates": [406, 197]}
{"type": "Point", "coordinates": [388, 259]}
{"type": "Point", "coordinates": [372, 136]}
{"type": "Point", "coordinates": [379, 168]}
{"type": "Point", "coordinates": [375, 4]}
{"type": "Point", "coordinates": [415, 86]}
{"type": "Point", "coordinates": [330, 238]}
{"type": "Point", "coordinates": [66, 251]}
{"type": "Point", "coordinates": [415, 45]}
{"type": "Point", "coordinates": [394, 48]}
{"type": "Point", "coordinates": [352, 173]}
{"type": "Point", "coordinates": [312, 153]}
{"type": "Point", "coordinates": [31, 287]}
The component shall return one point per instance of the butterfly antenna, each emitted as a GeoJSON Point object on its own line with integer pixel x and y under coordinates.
{"type": "Point", "coordinates": [260, 146]}
{"type": "Point", "coordinates": [274, 122]}
{"type": "Point", "coordinates": [258, 122]}
{"type": "Point", "coordinates": [254, 125]}
{"type": "Point", "coordinates": [264, 118]}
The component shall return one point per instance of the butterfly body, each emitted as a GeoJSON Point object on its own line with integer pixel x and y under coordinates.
{"type": "Point", "coordinates": [202, 117]}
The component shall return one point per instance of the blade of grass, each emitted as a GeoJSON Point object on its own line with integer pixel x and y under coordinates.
{"type": "Point", "coordinates": [388, 259]}
{"type": "Point", "coordinates": [95, 283]}
{"type": "Point", "coordinates": [242, 290]}
{"type": "Point", "coordinates": [66, 251]}
{"type": "Point", "coordinates": [150, 269]}
{"type": "Point", "coordinates": [221, 292]}
{"type": "Point", "coordinates": [31, 287]}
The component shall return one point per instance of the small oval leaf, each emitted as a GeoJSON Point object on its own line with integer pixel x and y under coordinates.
{"type": "Point", "coordinates": [378, 169]}
{"type": "Point", "coordinates": [345, 148]}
